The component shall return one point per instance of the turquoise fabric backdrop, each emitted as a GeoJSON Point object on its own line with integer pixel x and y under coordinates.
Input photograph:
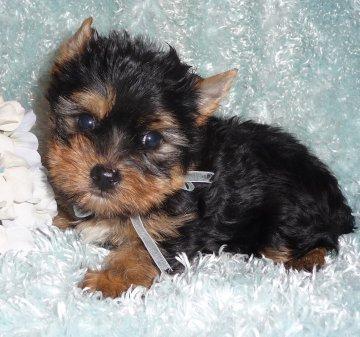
{"type": "Point", "coordinates": [298, 61]}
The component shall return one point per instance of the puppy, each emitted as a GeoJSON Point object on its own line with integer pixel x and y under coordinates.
{"type": "Point", "coordinates": [129, 120]}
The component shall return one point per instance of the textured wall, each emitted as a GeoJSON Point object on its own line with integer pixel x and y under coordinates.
{"type": "Point", "coordinates": [298, 61]}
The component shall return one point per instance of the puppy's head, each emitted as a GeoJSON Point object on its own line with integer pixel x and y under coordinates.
{"type": "Point", "coordinates": [125, 116]}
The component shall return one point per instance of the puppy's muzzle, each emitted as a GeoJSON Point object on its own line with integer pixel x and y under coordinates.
{"type": "Point", "coordinates": [105, 178]}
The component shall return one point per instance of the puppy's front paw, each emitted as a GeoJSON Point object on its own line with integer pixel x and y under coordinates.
{"type": "Point", "coordinates": [63, 220]}
{"type": "Point", "coordinates": [106, 281]}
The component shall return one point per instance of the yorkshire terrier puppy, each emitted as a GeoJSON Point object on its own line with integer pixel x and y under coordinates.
{"type": "Point", "coordinates": [129, 120]}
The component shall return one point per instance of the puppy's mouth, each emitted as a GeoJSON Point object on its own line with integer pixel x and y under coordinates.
{"type": "Point", "coordinates": [101, 194]}
{"type": "Point", "coordinates": [99, 203]}
{"type": "Point", "coordinates": [114, 202]}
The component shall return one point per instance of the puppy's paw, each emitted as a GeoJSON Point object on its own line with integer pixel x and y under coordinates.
{"type": "Point", "coordinates": [63, 221]}
{"type": "Point", "coordinates": [314, 258]}
{"type": "Point", "coordinates": [106, 281]}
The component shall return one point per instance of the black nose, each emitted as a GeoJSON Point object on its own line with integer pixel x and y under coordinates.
{"type": "Point", "coordinates": [104, 178]}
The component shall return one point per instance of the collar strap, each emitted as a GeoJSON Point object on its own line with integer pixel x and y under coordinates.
{"type": "Point", "coordinates": [81, 214]}
{"type": "Point", "coordinates": [148, 241]}
{"type": "Point", "coordinates": [197, 177]}
{"type": "Point", "coordinates": [150, 244]}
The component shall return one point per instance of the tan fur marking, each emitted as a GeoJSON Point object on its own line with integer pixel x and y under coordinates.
{"type": "Point", "coordinates": [315, 258]}
{"type": "Point", "coordinates": [67, 172]}
{"type": "Point", "coordinates": [206, 113]}
{"type": "Point", "coordinates": [278, 255]}
{"type": "Point", "coordinates": [162, 122]}
{"type": "Point", "coordinates": [130, 265]}
{"type": "Point", "coordinates": [96, 103]}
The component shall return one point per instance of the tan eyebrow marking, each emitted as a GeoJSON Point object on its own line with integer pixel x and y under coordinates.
{"type": "Point", "coordinates": [162, 121]}
{"type": "Point", "coordinates": [99, 105]}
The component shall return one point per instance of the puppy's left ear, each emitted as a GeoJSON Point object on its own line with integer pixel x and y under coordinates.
{"type": "Point", "coordinates": [76, 44]}
{"type": "Point", "coordinates": [212, 90]}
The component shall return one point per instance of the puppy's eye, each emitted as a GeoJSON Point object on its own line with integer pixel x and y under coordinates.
{"type": "Point", "coordinates": [151, 139]}
{"type": "Point", "coordinates": [86, 122]}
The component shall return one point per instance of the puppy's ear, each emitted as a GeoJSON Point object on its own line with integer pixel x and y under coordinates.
{"type": "Point", "coordinates": [76, 44]}
{"type": "Point", "coordinates": [212, 90]}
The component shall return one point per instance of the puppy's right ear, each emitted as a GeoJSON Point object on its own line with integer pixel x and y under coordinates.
{"type": "Point", "coordinates": [75, 45]}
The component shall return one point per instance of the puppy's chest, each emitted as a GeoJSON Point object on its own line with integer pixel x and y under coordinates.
{"type": "Point", "coordinates": [105, 232]}
{"type": "Point", "coordinates": [116, 232]}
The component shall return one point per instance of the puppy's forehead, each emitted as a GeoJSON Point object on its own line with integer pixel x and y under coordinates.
{"type": "Point", "coordinates": [98, 104]}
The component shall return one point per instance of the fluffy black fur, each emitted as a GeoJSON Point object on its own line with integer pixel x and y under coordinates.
{"type": "Point", "coordinates": [268, 189]}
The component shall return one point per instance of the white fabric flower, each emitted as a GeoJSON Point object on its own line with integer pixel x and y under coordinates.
{"type": "Point", "coordinates": [12, 113]}
{"type": "Point", "coordinates": [26, 199]}
{"type": "Point", "coordinates": [15, 137]}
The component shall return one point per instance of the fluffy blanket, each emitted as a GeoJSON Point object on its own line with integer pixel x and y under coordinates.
{"type": "Point", "coordinates": [298, 67]}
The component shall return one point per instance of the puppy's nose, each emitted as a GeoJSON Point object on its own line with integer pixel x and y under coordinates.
{"type": "Point", "coordinates": [104, 177]}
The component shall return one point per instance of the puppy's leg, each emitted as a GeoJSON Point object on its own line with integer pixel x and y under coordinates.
{"type": "Point", "coordinates": [63, 220]}
{"type": "Point", "coordinates": [315, 257]}
{"type": "Point", "coordinates": [125, 266]}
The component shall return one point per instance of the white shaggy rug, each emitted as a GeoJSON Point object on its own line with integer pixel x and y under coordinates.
{"type": "Point", "coordinates": [298, 64]}
{"type": "Point", "coordinates": [218, 296]}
